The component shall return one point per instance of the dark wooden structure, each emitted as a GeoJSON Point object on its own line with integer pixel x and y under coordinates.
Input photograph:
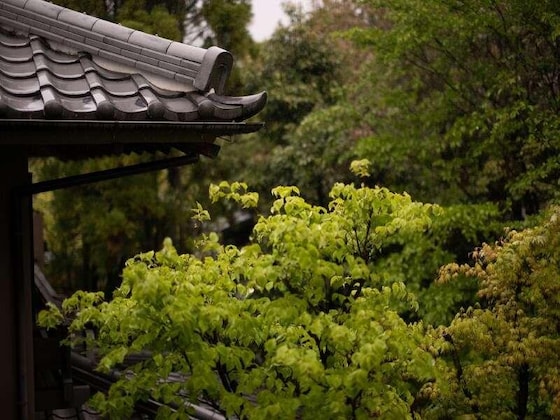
{"type": "Point", "coordinates": [74, 86]}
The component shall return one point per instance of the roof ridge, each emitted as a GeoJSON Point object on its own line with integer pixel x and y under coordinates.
{"type": "Point", "coordinates": [205, 69]}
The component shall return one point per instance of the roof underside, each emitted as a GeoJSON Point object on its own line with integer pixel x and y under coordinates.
{"type": "Point", "coordinates": [56, 98]}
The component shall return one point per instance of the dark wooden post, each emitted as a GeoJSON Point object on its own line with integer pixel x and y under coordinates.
{"type": "Point", "coordinates": [16, 351]}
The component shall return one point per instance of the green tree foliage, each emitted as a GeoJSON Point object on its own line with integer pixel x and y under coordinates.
{"type": "Point", "coordinates": [464, 103]}
{"type": "Point", "coordinates": [299, 69]}
{"type": "Point", "coordinates": [316, 153]}
{"type": "Point", "coordinates": [226, 26]}
{"type": "Point", "coordinates": [153, 19]}
{"type": "Point", "coordinates": [300, 323]}
{"type": "Point", "coordinates": [416, 258]}
{"type": "Point", "coordinates": [92, 230]}
{"type": "Point", "coordinates": [228, 20]}
{"type": "Point", "coordinates": [502, 355]}
{"type": "Point", "coordinates": [309, 135]}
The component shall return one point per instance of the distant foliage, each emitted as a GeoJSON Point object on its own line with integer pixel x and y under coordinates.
{"type": "Point", "coordinates": [92, 230]}
{"type": "Point", "coordinates": [156, 19]}
{"type": "Point", "coordinates": [465, 100]}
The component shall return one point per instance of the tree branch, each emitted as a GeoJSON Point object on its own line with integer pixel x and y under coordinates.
{"type": "Point", "coordinates": [459, 373]}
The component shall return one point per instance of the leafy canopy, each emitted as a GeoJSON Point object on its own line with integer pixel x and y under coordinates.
{"type": "Point", "coordinates": [464, 103]}
{"type": "Point", "coordinates": [299, 323]}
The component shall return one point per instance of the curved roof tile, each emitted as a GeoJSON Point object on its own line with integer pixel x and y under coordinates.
{"type": "Point", "coordinates": [56, 63]}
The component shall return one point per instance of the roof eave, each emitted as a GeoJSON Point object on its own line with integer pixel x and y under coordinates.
{"type": "Point", "coordinates": [42, 138]}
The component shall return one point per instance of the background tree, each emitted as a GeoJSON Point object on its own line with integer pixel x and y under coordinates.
{"type": "Point", "coordinates": [465, 102]}
{"type": "Point", "coordinates": [309, 135]}
{"type": "Point", "coordinates": [92, 230]}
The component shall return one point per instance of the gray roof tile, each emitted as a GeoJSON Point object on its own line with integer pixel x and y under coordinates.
{"type": "Point", "coordinates": [17, 70]}
{"type": "Point", "coordinates": [138, 57]}
{"type": "Point", "coordinates": [113, 57]}
{"type": "Point", "coordinates": [52, 37]}
{"type": "Point", "coordinates": [100, 45]}
{"type": "Point", "coordinates": [125, 87]}
{"type": "Point", "coordinates": [81, 20]}
{"type": "Point", "coordinates": [7, 21]}
{"type": "Point", "coordinates": [121, 44]}
{"type": "Point", "coordinates": [187, 52]}
{"type": "Point", "coordinates": [68, 87]}
{"type": "Point", "coordinates": [29, 69]}
{"type": "Point", "coordinates": [111, 30]}
{"type": "Point", "coordinates": [42, 8]}
{"type": "Point", "coordinates": [19, 86]}
{"type": "Point", "coordinates": [15, 105]}
{"type": "Point", "coordinates": [68, 34]}
{"type": "Point", "coordinates": [150, 42]}
{"type": "Point", "coordinates": [165, 58]}
{"type": "Point", "coordinates": [11, 41]}
{"type": "Point", "coordinates": [18, 3]}
{"type": "Point", "coordinates": [16, 55]}
{"type": "Point", "coordinates": [59, 64]}
{"type": "Point", "coordinates": [37, 24]}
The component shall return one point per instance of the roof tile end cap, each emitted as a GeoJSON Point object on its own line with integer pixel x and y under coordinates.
{"type": "Point", "coordinates": [250, 105]}
{"type": "Point", "coordinates": [214, 70]}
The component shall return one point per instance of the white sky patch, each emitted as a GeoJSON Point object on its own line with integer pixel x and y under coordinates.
{"type": "Point", "coordinates": [267, 14]}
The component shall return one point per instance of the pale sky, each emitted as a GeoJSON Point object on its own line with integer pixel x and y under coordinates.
{"type": "Point", "coordinates": [266, 15]}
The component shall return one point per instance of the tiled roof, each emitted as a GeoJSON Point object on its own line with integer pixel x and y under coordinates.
{"type": "Point", "coordinates": [59, 64]}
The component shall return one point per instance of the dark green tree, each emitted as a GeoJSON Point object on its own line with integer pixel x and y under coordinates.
{"type": "Point", "coordinates": [464, 100]}
{"type": "Point", "coordinates": [92, 230]}
{"type": "Point", "coordinates": [308, 137]}
{"type": "Point", "coordinates": [300, 70]}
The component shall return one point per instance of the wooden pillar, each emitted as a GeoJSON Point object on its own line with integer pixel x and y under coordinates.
{"type": "Point", "coordinates": [16, 350]}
